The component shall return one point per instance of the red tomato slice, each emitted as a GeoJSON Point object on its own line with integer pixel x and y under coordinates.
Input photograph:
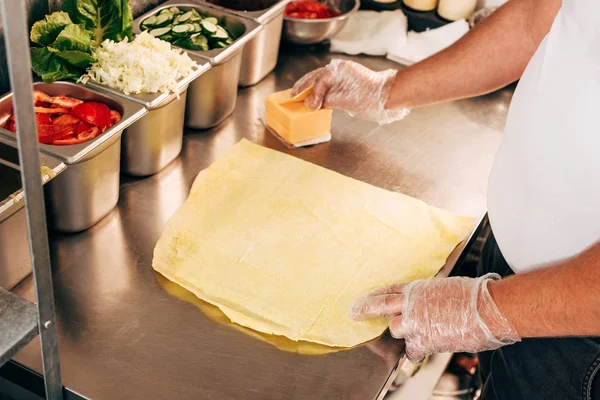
{"type": "Point", "coordinates": [66, 119]}
{"type": "Point", "coordinates": [97, 114]}
{"type": "Point", "coordinates": [309, 9]}
{"type": "Point", "coordinates": [43, 110]}
{"type": "Point", "coordinates": [49, 133]}
{"type": "Point", "coordinates": [81, 137]}
{"type": "Point", "coordinates": [43, 119]}
{"type": "Point", "coordinates": [82, 127]}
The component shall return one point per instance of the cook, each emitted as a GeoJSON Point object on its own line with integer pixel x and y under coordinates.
{"type": "Point", "coordinates": [536, 328]}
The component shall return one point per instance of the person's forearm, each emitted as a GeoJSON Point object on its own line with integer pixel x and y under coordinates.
{"type": "Point", "coordinates": [563, 300]}
{"type": "Point", "coordinates": [489, 57]}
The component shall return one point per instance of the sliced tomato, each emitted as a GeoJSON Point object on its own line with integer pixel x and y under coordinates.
{"type": "Point", "coordinates": [44, 110]}
{"type": "Point", "coordinates": [43, 119]}
{"type": "Point", "coordinates": [115, 117]}
{"type": "Point", "coordinates": [48, 133]}
{"type": "Point", "coordinates": [82, 137]}
{"type": "Point", "coordinates": [82, 126]}
{"type": "Point", "coordinates": [309, 9]}
{"type": "Point", "coordinates": [97, 114]}
{"type": "Point", "coordinates": [66, 119]}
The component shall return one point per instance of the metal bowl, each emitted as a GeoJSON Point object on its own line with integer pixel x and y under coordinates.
{"type": "Point", "coordinates": [310, 31]}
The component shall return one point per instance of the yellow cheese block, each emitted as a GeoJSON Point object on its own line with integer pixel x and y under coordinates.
{"type": "Point", "coordinates": [290, 119]}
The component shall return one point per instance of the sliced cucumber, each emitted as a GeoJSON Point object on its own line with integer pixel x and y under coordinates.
{"type": "Point", "coordinates": [165, 11]}
{"type": "Point", "coordinates": [200, 42]}
{"type": "Point", "coordinates": [220, 45]}
{"type": "Point", "coordinates": [195, 14]}
{"type": "Point", "coordinates": [180, 30]}
{"type": "Point", "coordinates": [191, 28]}
{"type": "Point", "coordinates": [196, 28]}
{"type": "Point", "coordinates": [186, 16]}
{"type": "Point", "coordinates": [150, 21]}
{"type": "Point", "coordinates": [212, 20]}
{"type": "Point", "coordinates": [167, 37]}
{"type": "Point", "coordinates": [228, 41]}
{"type": "Point", "coordinates": [160, 31]}
{"type": "Point", "coordinates": [208, 27]}
{"type": "Point", "coordinates": [174, 10]}
{"type": "Point", "coordinates": [220, 33]}
{"type": "Point", "coordinates": [163, 20]}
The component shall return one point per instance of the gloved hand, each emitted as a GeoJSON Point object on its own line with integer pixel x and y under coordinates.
{"type": "Point", "coordinates": [351, 87]}
{"type": "Point", "coordinates": [440, 315]}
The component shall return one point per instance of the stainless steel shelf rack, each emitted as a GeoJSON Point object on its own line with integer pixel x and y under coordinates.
{"type": "Point", "coordinates": [20, 320]}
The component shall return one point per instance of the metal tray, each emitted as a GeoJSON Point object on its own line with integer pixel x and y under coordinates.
{"type": "Point", "coordinates": [130, 112]}
{"type": "Point", "coordinates": [244, 28]}
{"type": "Point", "coordinates": [15, 261]}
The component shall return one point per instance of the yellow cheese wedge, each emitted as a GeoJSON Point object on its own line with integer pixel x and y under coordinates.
{"type": "Point", "coordinates": [290, 119]}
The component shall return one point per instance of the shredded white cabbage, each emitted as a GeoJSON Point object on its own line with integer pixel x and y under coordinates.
{"type": "Point", "coordinates": [144, 65]}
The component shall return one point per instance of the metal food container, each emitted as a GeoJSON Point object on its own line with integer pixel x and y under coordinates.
{"type": "Point", "coordinates": [153, 142]}
{"type": "Point", "coordinates": [212, 97]}
{"type": "Point", "coordinates": [89, 188]}
{"type": "Point", "coordinates": [311, 31]}
{"type": "Point", "coordinates": [260, 54]}
{"type": "Point", "coordinates": [15, 261]}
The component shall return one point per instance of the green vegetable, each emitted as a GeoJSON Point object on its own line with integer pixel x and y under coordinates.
{"type": "Point", "coordinates": [73, 44]}
{"type": "Point", "coordinates": [51, 67]}
{"type": "Point", "coordinates": [160, 31]}
{"type": "Point", "coordinates": [64, 41]}
{"type": "Point", "coordinates": [105, 19]}
{"type": "Point", "coordinates": [66, 51]}
{"type": "Point", "coordinates": [188, 29]}
{"type": "Point", "coordinates": [208, 27]}
{"type": "Point", "coordinates": [44, 32]}
{"type": "Point", "coordinates": [163, 20]}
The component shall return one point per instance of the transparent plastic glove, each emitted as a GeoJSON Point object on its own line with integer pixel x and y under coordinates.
{"type": "Point", "coordinates": [353, 88]}
{"type": "Point", "coordinates": [440, 315]}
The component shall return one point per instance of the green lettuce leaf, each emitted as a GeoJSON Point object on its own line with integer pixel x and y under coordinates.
{"type": "Point", "coordinates": [105, 19]}
{"type": "Point", "coordinates": [73, 44]}
{"type": "Point", "coordinates": [50, 67]}
{"type": "Point", "coordinates": [45, 31]}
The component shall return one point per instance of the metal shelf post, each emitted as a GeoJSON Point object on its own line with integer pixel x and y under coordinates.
{"type": "Point", "coordinates": [14, 19]}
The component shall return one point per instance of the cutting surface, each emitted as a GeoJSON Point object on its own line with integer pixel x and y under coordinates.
{"type": "Point", "coordinates": [123, 336]}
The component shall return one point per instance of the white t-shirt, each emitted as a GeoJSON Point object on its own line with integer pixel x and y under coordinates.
{"type": "Point", "coordinates": [544, 190]}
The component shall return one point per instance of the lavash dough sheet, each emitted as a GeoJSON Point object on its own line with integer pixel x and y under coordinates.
{"type": "Point", "coordinates": [284, 247]}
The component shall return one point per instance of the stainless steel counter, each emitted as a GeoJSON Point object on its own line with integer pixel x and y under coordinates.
{"type": "Point", "coordinates": [124, 336]}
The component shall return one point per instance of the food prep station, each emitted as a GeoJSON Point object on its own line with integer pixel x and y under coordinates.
{"type": "Point", "coordinates": [124, 331]}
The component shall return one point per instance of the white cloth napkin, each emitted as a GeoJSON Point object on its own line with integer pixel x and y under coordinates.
{"type": "Point", "coordinates": [371, 33]}
{"type": "Point", "coordinates": [419, 46]}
